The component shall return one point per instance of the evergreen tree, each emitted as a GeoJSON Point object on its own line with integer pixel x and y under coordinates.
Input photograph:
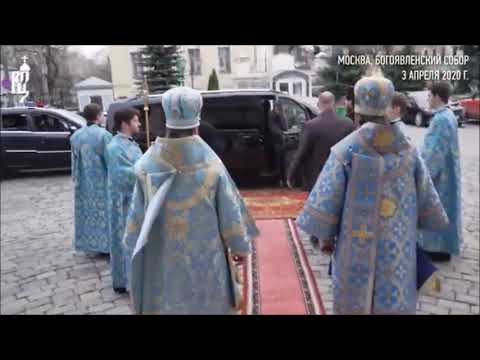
{"type": "Point", "coordinates": [399, 74]}
{"type": "Point", "coordinates": [213, 81]}
{"type": "Point", "coordinates": [340, 78]}
{"type": "Point", "coordinates": [162, 67]}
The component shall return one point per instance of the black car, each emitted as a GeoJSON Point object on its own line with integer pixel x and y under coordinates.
{"type": "Point", "coordinates": [235, 124]}
{"type": "Point", "coordinates": [36, 138]}
{"type": "Point", "coordinates": [421, 116]}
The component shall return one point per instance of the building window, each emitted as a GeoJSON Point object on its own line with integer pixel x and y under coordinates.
{"type": "Point", "coordinates": [260, 58]}
{"type": "Point", "coordinates": [96, 100]}
{"type": "Point", "coordinates": [195, 64]}
{"type": "Point", "coordinates": [137, 65]}
{"type": "Point", "coordinates": [224, 59]}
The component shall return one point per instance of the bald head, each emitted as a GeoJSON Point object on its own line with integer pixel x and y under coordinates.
{"type": "Point", "coordinates": [326, 101]}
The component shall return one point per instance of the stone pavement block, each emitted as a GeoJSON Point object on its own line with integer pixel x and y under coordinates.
{"type": "Point", "coordinates": [121, 310]}
{"type": "Point", "coordinates": [38, 303]}
{"type": "Point", "coordinates": [454, 275]}
{"type": "Point", "coordinates": [105, 272]}
{"type": "Point", "coordinates": [88, 276]}
{"type": "Point", "coordinates": [473, 300]}
{"type": "Point", "coordinates": [45, 275]}
{"type": "Point", "coordinates": [61, 309]}
{"type": "Point", "coordinates": [91, 298]}
{"type": "Point", "coordinates": [101, 285]}
{"type": "Point", "coordinates": [69, 283]}
{"type": "Point", "coordinates": [428, 300]}
{"type": "Point", "coordinates": [474, 291]}
{"type": "Point", "coordinates": [40, 294]}
{"type": "Point", "coordinates": [101, 307]}
{"type": "Point", "coordinates": [420, 312]}
{"type": "Point", "coordinates": [434, 309]}
{"type": "Point", "coordinates": [85, 289]}
{"type": "Point", "coordinates": [109, 295]}
{"type": "Point", "coordinates": [453, 305]}
{"type": "Point", "coordinates": [64, 298]}
{"type": "Point", "coordinates": [324, 282]}
{"type": "Point", "coordinates": [88, 267]}
{"type": "Point", "coordinates": [39, 310]}
{"type": "Point", "coordinates": [13, 307]}
{"type": "Point", "coordinates": [447, 295]}
{"type": "Point", "coordinates": [9, 299]}
{"type": "Point", "coordinates": [56, 278]}
{"type": "Point", "coordinates": [33, 284]}
{"type": "Point", "coordinates": [459, 312]}
{"type": "Point", "coordinates": [123, 300]}
{"type": "Point", "coordinates": [472, 278]}
{"type": "Point", "coordinates": [30, 292]}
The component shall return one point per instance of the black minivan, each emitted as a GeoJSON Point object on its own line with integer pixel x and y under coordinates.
{"type": "Point", "coordinates": [237, 121]}
{"type": "Point", "coordinates": [35, 139]}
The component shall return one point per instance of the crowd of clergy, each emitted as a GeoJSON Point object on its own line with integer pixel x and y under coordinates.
{"type": "Point", "coordinates": [174, 223]}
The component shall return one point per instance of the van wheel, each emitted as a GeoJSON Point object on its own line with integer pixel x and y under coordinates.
{"type": "Point", "coordinates": [419, 119]}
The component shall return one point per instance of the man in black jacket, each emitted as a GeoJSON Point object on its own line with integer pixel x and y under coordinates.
{"type": "Point", "coordinates": [277, 125]}
{"type": "Point", "coordinates": [318, 136]}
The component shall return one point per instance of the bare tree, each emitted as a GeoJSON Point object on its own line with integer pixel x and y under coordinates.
{"type": "Point", "coordinates": [7, 56]}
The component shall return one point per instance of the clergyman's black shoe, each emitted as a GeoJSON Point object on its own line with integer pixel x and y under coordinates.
{"type": "Point", "coordinates": [314, 240]}
{"type": "Point", "coordinates": [120, 290]}
{"type": "Point", "coordinates": [439, 256]}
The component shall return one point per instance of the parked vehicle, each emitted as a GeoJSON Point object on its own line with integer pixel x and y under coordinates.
{"type": "Point", "coordinates": [238, 120]}
{"type": "Point", "coordinates": [472, 106]}
{"type": "Point", "coordinates": [35, 138]}
{"type": "Point", "coordinates": [419, 114]}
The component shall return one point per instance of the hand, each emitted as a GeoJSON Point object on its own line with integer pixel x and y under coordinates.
{"type": "Point", "coordinates": [239, 258]}
{"type": "Point", "coordinates": [327, 247]}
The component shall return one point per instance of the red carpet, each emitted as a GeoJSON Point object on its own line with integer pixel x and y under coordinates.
{"type": "Point", "coordinates": [274, 203]}
{"type": "Point", "coordinates": [278, 279]}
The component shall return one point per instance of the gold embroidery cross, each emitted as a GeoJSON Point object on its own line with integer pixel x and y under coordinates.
{"type": "Point", "coordinates": [362, 234]}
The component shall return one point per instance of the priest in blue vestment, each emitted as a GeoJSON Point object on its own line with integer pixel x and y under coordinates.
{"type": "Point", "coordinates": [440, 152]}
{"type": "Point", "coordinates": [371, 197]}
{"type": "Point", "coordinates": [186, 218]}
{"type": "Point", "coordinates": [122, 153]}
{"type": "Point", "coordinates": [89, 173]}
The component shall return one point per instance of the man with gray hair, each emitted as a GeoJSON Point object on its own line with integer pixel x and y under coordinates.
{"type": "Point", "coordinates": [318, 136]}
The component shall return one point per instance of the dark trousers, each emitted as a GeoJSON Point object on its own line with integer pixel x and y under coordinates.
{"type": "Point", "coordinates": [279, 160]}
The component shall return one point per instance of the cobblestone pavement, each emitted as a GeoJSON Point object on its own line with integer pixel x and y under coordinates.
{"type": "Point", "coordinates": [40, 271]}
{"type": "Point", "coordinates": [41, 274]}
{"type": "Point", "coordinates": [460, 277]}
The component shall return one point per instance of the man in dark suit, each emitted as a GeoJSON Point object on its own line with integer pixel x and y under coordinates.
{"type": "Point", "coordinates": [277, 125]}
{"type": "Point", "coordinates": [318, 136]}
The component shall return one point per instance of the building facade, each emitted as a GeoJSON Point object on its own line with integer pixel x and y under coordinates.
{"type": "Point", "coordinates": [94, 90]}
{"type": "Point", "coordinates": [237, 67]}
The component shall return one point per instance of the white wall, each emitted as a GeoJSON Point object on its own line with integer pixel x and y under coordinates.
{"type": "Point", "coordinates": [84, 97]}
{"type": "Point", "coordinates": [242, 65]}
